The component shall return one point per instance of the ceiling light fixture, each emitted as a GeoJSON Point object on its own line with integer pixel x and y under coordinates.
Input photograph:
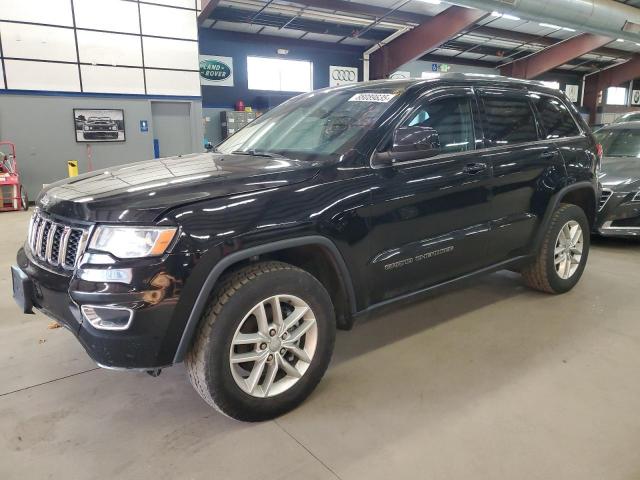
{"type": "Point", "coordinates": [550, 25]}
{"type": "Point", "coordinates": [504, 15]}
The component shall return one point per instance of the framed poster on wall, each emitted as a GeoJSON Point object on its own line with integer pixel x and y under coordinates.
{"type": "Point", "coordinates": [99, 125]}
{"type": "Point", "coordinates": [635, 97]}
{"type": "Point", "coordinates": [572, 92]}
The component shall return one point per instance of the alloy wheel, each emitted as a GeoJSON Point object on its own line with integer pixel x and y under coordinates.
{"type": "Point", "coordinates": [273, 346]}
{"type": "Point", "coordinates": [568, 249]}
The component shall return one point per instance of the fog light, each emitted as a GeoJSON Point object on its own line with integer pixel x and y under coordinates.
{"type": "Point", "coordinates": [108, 318]}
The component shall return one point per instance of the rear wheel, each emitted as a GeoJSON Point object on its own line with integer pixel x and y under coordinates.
{"type": "Point", "coordinates": [264, 343]}
{"type": "Point", "coordinates": [562, 259]}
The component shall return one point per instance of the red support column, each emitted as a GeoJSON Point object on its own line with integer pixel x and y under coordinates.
{"type": "Point", "coordinates": [428, 35]}
{"type": "Point", "coordinates": [609, 77]}
{"type": "Point", "coordinates": [551, 57]}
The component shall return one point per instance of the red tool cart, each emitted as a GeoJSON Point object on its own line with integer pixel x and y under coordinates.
{"type": "Point", "coordinates": [13, 195]}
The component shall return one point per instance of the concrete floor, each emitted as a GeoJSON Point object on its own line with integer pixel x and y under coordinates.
{"type": "Point", "coordinates": [489, 381]}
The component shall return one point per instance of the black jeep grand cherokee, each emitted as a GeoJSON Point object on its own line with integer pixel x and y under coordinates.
{"type": "Point", "coordinates": [242, 261]}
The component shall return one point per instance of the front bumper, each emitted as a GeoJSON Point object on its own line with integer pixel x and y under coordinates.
{"type": "Point", "coordinates": [619, 217]}
{"type": "Point", "coordinates": [151, 339]}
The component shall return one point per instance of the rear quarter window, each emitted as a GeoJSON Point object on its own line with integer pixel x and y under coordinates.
{"type": "Point", "coordinates": [555, 117]}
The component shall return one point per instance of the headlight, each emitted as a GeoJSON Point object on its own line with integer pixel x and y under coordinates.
{"type": "Point", "coordinates": [114, 128]}
{"type": "Point", "coordinates": [85, 127]}
{"type": "Point", "coordinates": [132, 242]}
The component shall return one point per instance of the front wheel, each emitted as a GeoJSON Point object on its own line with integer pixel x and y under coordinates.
{"type": "Point", "coordinates": [264, 342]}
{"type": "Point", "coordinates": [561, 261]}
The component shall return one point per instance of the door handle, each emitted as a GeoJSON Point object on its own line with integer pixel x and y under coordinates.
{"type": "Point", "coordinates": [474, 168]}
{"type": "Point", "coordinates": [551, 154]}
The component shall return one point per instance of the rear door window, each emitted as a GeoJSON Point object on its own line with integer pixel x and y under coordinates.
{"type": "Point", "coordinates": [555, 117]}
{"type": "Point", "coordinates": [509, 119]}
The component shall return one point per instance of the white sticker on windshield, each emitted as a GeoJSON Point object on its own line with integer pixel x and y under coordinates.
{"type": "Point", "coordinates": [373, 97]}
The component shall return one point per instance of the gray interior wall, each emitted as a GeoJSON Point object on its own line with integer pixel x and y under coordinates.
{"type": "Point", "coordinates": [418, 66]}
{"type": "Point", "coordinates": [42, 127]}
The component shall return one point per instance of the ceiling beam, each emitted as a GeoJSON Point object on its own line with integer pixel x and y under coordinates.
{"type": "Point", "coordinates": [609, 77]}
{"type": "Point", "coordinates": [425, 37]}
{"type": "Point", "coordinates": [208, 6]}
{"type": "Point", "coordinates": [416, 18]}
{"type": "Point", "coordinates": [364, 9]}
{"type": "Point", "coordinates": [551, 57]}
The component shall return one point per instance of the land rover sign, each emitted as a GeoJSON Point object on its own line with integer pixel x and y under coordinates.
{"type": "Point", "coordinates": [216, 70]}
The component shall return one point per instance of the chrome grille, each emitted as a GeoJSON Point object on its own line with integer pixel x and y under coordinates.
{"type": "Point", "coordinates": [604, 198]}
{"type": "Point", "coordinates": [55, 243]}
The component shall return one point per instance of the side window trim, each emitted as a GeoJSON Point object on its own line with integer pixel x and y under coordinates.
{"type": "Point", "coordinates": [433, 95]}
{"type": "Point", "coordinates": [481, 94]}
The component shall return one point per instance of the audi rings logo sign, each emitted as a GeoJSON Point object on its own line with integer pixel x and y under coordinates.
{"type": "Point", "coordinates": [342, 75]}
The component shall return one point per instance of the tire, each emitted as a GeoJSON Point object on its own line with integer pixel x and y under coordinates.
{"type": "Point", "coordinates": [230, 310]}
{"type": "Point", "coordinates": [543, 273]}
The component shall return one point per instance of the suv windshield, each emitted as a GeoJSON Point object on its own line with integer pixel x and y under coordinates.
{"type": "Point", "coordinates": [330, 122]}
{"type": "Point", "coordinates": [620, 142]}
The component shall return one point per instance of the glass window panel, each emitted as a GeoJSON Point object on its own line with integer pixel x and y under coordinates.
{"type": "Point", "coordinates": [165, 53]}
{"type": "Point", "coordinates": [52, 12]}
{"type": "Point", "coordinates": [280, 75]}
{"type": "Point", "coordinates": [167, 82]}
{"type": "Point", "coordinates": [168, 22]}
{"type": "Point", "coordinates": [175, 3]}
{"type": "Point", "coordinates": [451, 118]}
{"type": "Point", "coordinates": [109, 48]}
{"type": "Point", "coordinates": [556, 118]}
{"type": "Point", "coordinates": [38, 42]}
{"type": "Point", "coordinates": [110, 15]}
{"type": "Point", "coordinates": [509, 120]}
{"type": "Point", "coordinates": [616, 96]}
{"type": "Point", "coordinates": [28, 75]}
{"type": "Point", "coordinates": [112, 80]}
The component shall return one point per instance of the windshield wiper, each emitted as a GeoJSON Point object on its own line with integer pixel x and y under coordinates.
{"type": "Point", "coordinates": [256, 153]}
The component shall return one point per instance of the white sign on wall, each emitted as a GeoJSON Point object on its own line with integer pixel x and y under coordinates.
{"type": "Point", "coordinates": [342, 75]}
{"type": "Point", "coordinates": [215, 70]}
{"type": "Point", "coordinates": [635, 97]}
{"type": "Point", "coordinates": [572, 92]}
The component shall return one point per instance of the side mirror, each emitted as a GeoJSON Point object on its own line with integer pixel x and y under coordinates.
{"type": "Point", "coordinates": [415, 139]}
{"type": "Point", "coordinates": [410, 143]}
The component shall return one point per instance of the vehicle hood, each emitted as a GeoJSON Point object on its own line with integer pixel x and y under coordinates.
{"type": "Point", "coordinates": [620, 174]}
{"type": "Point", "coordinates": [140, 192]}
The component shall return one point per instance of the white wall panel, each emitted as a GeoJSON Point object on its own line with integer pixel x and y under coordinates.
{"type": "Point", "coordinates": [38, 42]}
{"type": "Point", "coordinates": [168, 22]}
{"type": "Point", "coordinates": [166, 82]}
{"type": "Point", "coordinates": [109, 48]}
{"type": "Point", "coordinates": [1, 77]}
{"type": "Point", "coordinates": [111, 15]}
{"type": "Point", "coordinates": [163, 53]}
{"type": "Point", "coordinates": [175, 3]}
{"type": "Point", "coordinates": [52, 12]}
{"type": "Point", "coordinates": [112, 80]}
{"type": "Point", "coordinates": [27, 75]}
